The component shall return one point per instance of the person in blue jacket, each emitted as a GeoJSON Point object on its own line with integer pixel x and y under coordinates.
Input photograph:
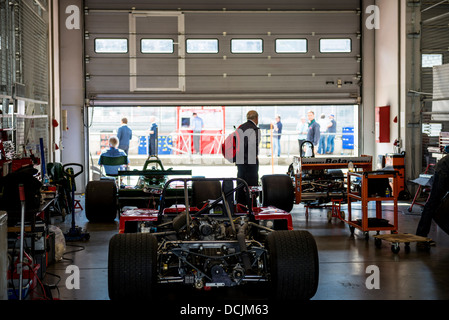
{"type": "Point", "coordinates": [277, 133]}
{"type": "Point", "coordinates": [113, 152]}
{"type": "Point", "coordinates": [124, 134]}
{"type": "Point", "coordinates": [313, 133]}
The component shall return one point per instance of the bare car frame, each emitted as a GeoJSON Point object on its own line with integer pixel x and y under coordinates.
{"type": "Point", "coordinates": [209, 241]}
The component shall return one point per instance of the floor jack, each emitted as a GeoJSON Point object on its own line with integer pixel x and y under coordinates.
{"type": "Point", "coordinates": [75, 233]}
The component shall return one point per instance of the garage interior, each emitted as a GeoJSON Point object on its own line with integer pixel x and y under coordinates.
{"type": "Point", "coordinates": [72, 69]}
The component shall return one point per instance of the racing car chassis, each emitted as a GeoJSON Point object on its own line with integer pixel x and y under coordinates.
{"type": "Point", "coordinates": [202, 249]}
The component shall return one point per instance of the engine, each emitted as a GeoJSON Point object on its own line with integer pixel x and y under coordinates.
{"type": "Point", "coordinates": [207, 229]}
{"type": "Point", "coordinates": [322, 185]}
{"type": "Point", "coordinates": [212, 252]}
{"type": "Point", "coordinates": [204, 228]}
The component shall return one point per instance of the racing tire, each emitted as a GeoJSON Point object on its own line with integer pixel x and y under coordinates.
{"type": "Point", "coordinates": [294, 265]}
{"type": "Point", "coordinates": [101, 201]}
{"type": "Point", "coordinates": [278, 191]}
{"type": "Point", "coordinates": [132, 264]}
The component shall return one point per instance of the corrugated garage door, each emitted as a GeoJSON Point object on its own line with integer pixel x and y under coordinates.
{"type": "Point", "coordinates": [307, 54]}
{"type": "Point", "coordinates": [434, 47]}
{"type": "Point", "coordinates": [24, 75]}
{"type": "Point", "coordinates": [434, 39]}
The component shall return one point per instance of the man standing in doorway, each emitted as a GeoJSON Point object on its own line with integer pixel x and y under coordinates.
{"type": "Point", "coordinates": [197, 125]}
{"type": "Point", "coordinates": [277, 131]}
{"type": "Point", "coordinates": [247, 155]}
{"type": "Point", "coordinates": [124, 134]}
{"type": "Point", "coordinates": [313, 132]}
{"type": "Point", "coordinates": [331, 131]}
{"type": "Point", "coordinates": [153, 137]}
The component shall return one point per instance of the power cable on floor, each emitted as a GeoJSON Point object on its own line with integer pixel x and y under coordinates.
{"type": "Point", "coordinates": [80, 248]}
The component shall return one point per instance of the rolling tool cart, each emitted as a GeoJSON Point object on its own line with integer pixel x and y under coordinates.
{"type": "Point", "coordinates": [396, 162]}
{"type": "Point", "coordinates": [372, 186]}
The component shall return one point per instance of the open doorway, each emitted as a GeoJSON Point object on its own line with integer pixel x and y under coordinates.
{"type": "Point", "coordinates": [175, 145]}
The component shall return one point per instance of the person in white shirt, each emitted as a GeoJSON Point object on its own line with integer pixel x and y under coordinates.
{"type": "Point", "coordinates": [301, 130]}
{"type": "Point", "coordinates": [197, 126]}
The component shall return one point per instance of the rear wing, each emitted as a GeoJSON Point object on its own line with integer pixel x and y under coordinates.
{"type": "Point", "coordinates": [155, 173]}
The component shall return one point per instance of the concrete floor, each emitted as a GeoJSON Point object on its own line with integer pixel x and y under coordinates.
{"type": "Point", "coordinates": [417, 275]}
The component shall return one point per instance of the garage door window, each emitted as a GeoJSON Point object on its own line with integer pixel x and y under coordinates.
{"type": "Point", "coordinates": [156, 45]}
{"type": "Point", "coordinates": [291, 45]}
{"type": "Point", "coordinates": [431, 60]}
{"type": "Point", "coordinates": [335, 45]}
{"type": "Point", "coordinates": [111, 45]}
{"type": "Point", "coordinates": [202, 45]}
{"type": "Point", "coordinates": [246, 46]}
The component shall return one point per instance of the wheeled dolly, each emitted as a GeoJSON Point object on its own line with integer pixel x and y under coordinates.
{"type": "Point", "coordinates": [396, 239]}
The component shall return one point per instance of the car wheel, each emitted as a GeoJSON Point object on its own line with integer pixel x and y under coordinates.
{"type": "Point", "coordinates": [294, 267]}
{"type": "Point", "coordinates": [132, 263]}
{"type": "Point", "coordinates": [101, 201]}
{"type": "Point", "coordinates": [278, 191]}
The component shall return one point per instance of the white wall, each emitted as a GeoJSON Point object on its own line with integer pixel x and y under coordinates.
{"type": "Point", "coordinates": [397, 71]}
{"type": "Point", "coordinates": [387, 68]}
{"type": "Point", "coordinates": [389, 75]}
{"type": "Point", "coordinates": [72, 87]}
{"type": "Point", "coordinates": [366, 128]}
